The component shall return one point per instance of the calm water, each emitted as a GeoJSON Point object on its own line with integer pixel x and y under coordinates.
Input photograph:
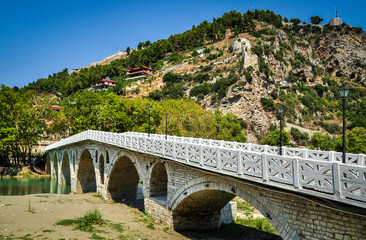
{"type": "Point", "coordinates": [28, 185]}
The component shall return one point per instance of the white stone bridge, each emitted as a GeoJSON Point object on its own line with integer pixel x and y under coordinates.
{"type": "Point", "coordinates": [186, 182]}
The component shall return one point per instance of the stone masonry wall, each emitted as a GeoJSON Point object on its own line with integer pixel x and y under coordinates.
{"type": "Point", "coordinates": [160, 213]}
{"type": "Point", "coordinates": [293, 216]}
{"type": "Point", "coordinates": [228, 213]}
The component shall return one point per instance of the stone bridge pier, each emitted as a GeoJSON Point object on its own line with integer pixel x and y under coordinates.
{"type": "Point", "coordinates": [185, 197]}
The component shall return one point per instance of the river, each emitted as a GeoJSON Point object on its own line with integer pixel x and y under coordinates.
{"type": "Point", "coordinates": [31, 185]}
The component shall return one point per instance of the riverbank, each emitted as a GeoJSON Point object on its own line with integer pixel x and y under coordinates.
{"type": "Point", "coordinates": [22, 171]}
{"type": "Point", "coordinates": [36, 217]}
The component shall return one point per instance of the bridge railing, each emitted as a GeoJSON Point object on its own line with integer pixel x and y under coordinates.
{"type": "Point", "coordinates": [318, 155]}
{"type": "Point", "coordinates": [317, 173]}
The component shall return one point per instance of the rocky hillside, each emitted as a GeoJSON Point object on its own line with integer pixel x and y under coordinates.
{"type": "Point", "coordinates": [295, 67]}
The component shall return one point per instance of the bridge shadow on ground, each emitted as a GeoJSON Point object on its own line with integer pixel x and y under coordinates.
{"type": "Point", "coordinates": [230, 231]}
{"type": "Point", "coordinates": [138, 204]}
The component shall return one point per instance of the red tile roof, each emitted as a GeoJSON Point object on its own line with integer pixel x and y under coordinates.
{"type": "Point", "coordinates": [140, 68]}
{"type": "Point", "coordinates": [56, 107]}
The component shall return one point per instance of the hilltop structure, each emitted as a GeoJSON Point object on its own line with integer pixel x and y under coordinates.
{"type": "Point", "coordinates": [335, 21]}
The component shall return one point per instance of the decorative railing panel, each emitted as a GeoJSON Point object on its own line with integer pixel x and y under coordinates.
{"type": "Point", "coordinates": [280, 169]}
{"type": "Point", "coordinates": [209, 156]}
{"type": "Point", "coordinates": [229, 160]}
{"type": "Point", "coordinates": [353, 182]}
{"type": "Point", "coordinates": [317, 173]}
{"type": "Point", "coordinates": [194, 153]}
{"type": "Point", "coordinates": [251, 164]}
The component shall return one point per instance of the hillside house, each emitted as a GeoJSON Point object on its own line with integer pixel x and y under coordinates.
{"type": "Point", "coordinates": [104, 84]}
{"type": "Point", "coordinates": [56, 107]}
{"type": "Point", "coordinates": [139, 72]}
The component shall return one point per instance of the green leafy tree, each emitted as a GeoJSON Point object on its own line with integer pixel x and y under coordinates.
{"type": "Point", "coordinates": [355, 141]}
{"type": "Point", "coordinates": [128, 50]}
{"type": "Point", "coordinates": [295, 21]}
{"type": "Point", "coordinates": [322, 141]}
{"type": "Point", "coordinates": [316, 19]}
{"type": "Point", "coordinates": [285, 20]}
{"type": "Point", "coordinates": [273, 138]}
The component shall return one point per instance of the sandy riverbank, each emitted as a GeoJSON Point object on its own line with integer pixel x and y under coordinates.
{"type": "Point", "coordinates": [35, 217]}
{"type": "Point", "coordinates": [17, 221]}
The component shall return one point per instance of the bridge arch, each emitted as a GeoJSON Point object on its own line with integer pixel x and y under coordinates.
{"type": "Point", "coordinates": [158, 181]}
{"type": "Point", "coordinates": [199, 201]}
{"type": "Point", "coordinates": [123, 179]}
{"type": "Point", "coordinates": [65, 169]}
{"type": "Point", "coordinates": [86, 181]}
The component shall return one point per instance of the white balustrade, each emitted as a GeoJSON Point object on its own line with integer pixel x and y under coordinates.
{"type": "Point", "coordinates": [317, 173]}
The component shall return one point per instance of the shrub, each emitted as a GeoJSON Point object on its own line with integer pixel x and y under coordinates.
{"type": "Point", "coordinates": [322, 141]}
{"type": "Point", "coordinates": [300, 137]}
{"type": "Point", "coordinates": [268, 104]}
{"type": "Point", "coordinates": [273, 138]}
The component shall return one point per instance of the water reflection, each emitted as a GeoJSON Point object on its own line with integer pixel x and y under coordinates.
{"type": "Point", "coordinates": [29, 185]}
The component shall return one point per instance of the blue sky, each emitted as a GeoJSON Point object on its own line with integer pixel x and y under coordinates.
{"type": "Point", "coordinates": [41, 37]}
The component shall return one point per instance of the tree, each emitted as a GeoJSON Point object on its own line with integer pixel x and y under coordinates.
{"type": "Point", "coordinates": [285, 20]}
{"type": "Point", "coordinates": [355, 141]}
{"type": "Point", "coordinates": [322, 141]}
{"type": "Point", "coordinates": [128, 50]}
{"type": "Point", "coordinates": [195, 53]}
{"type": "Point", "coordinates": [316, 19]}
{"type": "Point", "coordinates": [273, 138]}
{"type": "Point", "coordinates": [295, 21]}
{"type": "Point", "coordinates": [140, 45]}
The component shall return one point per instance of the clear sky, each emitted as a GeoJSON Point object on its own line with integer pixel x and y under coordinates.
{"type": "Point", "coordinates": [41, 37]}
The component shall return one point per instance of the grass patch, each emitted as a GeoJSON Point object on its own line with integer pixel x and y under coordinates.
{"type": "Point", "coordinates": [47, 230]}
{"type": "Point", "coordinates": [117, 226]}
{"type": "Point", "coordinates": [96, 236]}
{"type": "Point", "coordinates": [98, 196]}
{"type": "Point", "coordinates": [2, 237]}
{"type": "Point", "coordinates": [31, 208]}
{"type": "Point", "coordinates": [151, 226]}
{"type": "Point", "coordinates": [44, 196]}
{"type": "Point", "coordinates": [258, 223]}
{"type": "Point", "coordinates": [85, 223]}
{"type": "Point", "coordinates": [166, 229]}
{"type": "Point", "coordinates": [26, 237]}
{"type": "Point", "coordinates": [67, 222]}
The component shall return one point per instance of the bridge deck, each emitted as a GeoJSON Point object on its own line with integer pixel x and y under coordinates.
{"type": "Point", "coordinates": [312, 172]}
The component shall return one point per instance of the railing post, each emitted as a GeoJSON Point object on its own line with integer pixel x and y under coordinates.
{"type": "Point", "coordinates": [249, 147]}
{"type": "Point", "coordinates": [187, 160]}
{"type": "Point", "coordinates": [337, 191]}
{"type": "Point", "coordinates": [174, 142]}
{"type": "Point", "coordinates": [264, 167]}
{"type": "Point", "coordinates": [218, 159]}
{"type": "Point", "coordinates": [305, 153]}
{"type": "Point", "coordinates": [361, 160]}
{"type": "Point", "coordinates": [201, 155]}
{"type": "Point", "coordinates": [238, 155]}
{"type": "Point", "coordinates": [284, 151]}
{"type": "Point", "coordinates": [163, 151]}
{"type": "Point", "coordinates": [332, 156]}
{"type": "Point", "coordinates": [145, 144]}
{"type": "Point", "coordinates": [296, 173]}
